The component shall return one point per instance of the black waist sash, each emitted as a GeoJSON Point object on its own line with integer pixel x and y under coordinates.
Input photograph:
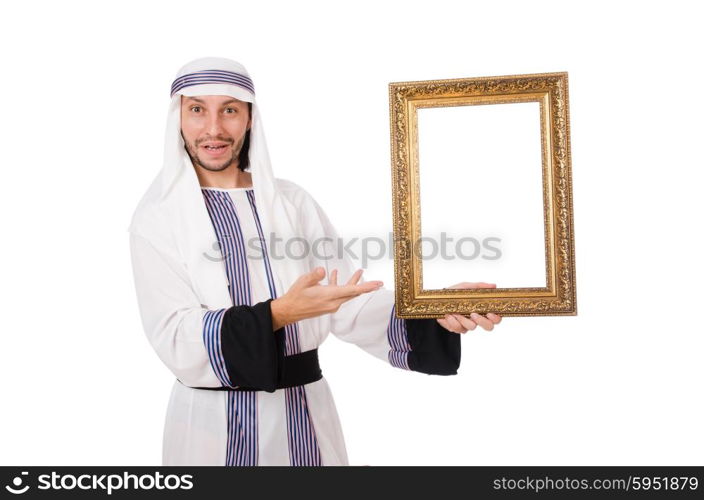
{"type": "Point", "coordinates": [298, 369]}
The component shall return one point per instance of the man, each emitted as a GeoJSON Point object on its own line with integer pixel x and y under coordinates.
{"type": "Point", "coordinates": [240, 330]}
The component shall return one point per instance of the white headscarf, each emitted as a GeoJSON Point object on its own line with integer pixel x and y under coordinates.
{"type": "Point", "coordinates": [172, 215]}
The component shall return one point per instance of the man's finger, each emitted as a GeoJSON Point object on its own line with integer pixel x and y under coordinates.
{"type": "Point", "coordinates": [343, 294]}
{"type": "Point", "coordinates": [355, 277]}
{"type": "Point", "coordinates": [455, 325]}
{"type": "Point", "coordinates": [488, 325]}
{"type": "Point", "coordinates": [313, 277]}
{"type": "Point", "coordinates": [473, 284]}
{"type": "Point", "coordinates": [495, 318]}
{"type": "Point", "coordinates": [332, 279]}
{"type": "Point", "coordinates": [355, 290]}
{"type": "Point", "coordinates": [466, 323]}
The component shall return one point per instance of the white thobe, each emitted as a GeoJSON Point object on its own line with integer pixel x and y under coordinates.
{"type": "Point", "coordinates": [290, 426]}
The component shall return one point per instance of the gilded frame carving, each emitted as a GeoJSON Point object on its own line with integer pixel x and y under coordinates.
{"type": "Point", "coordinates": [550, 90]}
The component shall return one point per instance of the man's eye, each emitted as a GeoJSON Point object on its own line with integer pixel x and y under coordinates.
{"type": "Point", "coordinates": [231, 109]}
{"type": "Point", "coordinates": [195, 108]}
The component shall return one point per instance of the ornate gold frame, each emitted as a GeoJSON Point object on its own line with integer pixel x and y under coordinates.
{"type": "Point", "coordinates": [550, 91]}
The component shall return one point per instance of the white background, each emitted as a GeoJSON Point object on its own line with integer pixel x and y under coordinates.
{"type": "Point", "coordinates": [498, 233]}
{"type": "Point", "coordinates": [85, 89]}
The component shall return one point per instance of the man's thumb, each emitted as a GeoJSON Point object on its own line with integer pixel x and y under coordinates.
{"type": "Point", "coordinates": [314, 276]}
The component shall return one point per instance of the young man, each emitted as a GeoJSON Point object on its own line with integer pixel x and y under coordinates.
{"type": "Point", "coordinates": [240, 327]}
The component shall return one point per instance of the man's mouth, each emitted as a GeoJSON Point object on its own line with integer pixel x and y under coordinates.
{"type": "Point", "coordinates": [215, 149]}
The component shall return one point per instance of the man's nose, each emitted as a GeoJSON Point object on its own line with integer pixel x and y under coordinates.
{"type": "Point", "coordinates": [214, 125]}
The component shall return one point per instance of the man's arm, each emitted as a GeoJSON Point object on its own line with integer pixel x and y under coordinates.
{"type": "Point", "coordinates": [234, 346]}
{"type": "Point", "coordinates": [369, 320]}
{"type": "Point", "coordinates": [420, 345]}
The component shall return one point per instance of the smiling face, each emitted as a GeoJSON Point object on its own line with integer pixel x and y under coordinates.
{"type": "Point", "coordinates": [213, 128]}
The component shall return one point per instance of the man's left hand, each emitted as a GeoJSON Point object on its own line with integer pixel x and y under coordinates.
{"type": "Point", "coordinates": [458, 323]}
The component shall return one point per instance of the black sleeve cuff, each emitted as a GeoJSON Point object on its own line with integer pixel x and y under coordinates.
{"type": "Point", "coordinates": [434, 350]}
{"type": "Point", "coordinates": [253, 352]}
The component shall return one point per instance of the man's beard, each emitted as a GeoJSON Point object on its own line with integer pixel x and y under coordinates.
{"type": "Point", "coordinates": [215, 165]}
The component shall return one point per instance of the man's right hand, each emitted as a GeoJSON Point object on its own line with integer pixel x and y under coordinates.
{"type": "Point", "coordinates": [307, 299]}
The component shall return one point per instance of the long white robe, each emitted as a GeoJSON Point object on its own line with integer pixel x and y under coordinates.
{"type": "Point", "coordinates": [291, 426]}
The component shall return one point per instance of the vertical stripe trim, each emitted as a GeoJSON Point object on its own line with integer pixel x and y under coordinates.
{"type": "Point", "coordinates": [242, 435]}
{"type": "Point", "coordinates": [292, 333]}
{"type": "Point", "coordinates": [303, 446]}
{"type": "Point", "coordinates": [242, 425]}
{"type": "Point", "coordinates": [212, 323]}
{"type": "Point", "coordinates": [397, 336]}
{"type": "Point", "coordinates": [302, 443]}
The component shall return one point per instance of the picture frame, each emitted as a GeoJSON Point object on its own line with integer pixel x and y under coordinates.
{"type": "Point", "coordinates": [549, 170]}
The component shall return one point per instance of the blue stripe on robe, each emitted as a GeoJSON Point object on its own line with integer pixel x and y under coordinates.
{"type": "Point", "coordinates": [242, 430]}
{"type": "Point", "coordinates": [292, 344]}
{"type": "Point", "coordinates": [397, 335]}
{"type": "Point", "coordinates": [302, 444]}
{"type": "Point", "coordinates": [212, 322]}
{"type": "Point", "coordinates": [242, 444]}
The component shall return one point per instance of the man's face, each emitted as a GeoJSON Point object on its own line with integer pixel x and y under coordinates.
{"type": "Point", "coordinates": [213, 128]}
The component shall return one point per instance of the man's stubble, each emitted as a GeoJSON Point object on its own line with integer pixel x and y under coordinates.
{"type": "Point", "coordinates": [214, 167]}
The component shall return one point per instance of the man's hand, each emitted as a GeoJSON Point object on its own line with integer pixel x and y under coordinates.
{"type": "Point", "coordinates": [306, 298]}
{"type": "Point", "coordinates": [458, 323]}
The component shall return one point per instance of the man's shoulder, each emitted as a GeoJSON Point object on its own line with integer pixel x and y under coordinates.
{"type": "Point", "coordinates": [287, 185]}
{"type": "Point", "coordinates": [292, 191]}
{"type": "Point", "coordinates": [152, 219]}
{"type": "Point", "coordinates": [147, 209]}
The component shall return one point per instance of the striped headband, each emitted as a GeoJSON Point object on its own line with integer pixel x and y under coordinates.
{"type": "Point", "coordinates": [212, 76]}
